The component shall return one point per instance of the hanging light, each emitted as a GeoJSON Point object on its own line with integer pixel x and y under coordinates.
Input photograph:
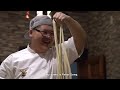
{"type": "Point", "coordinates": [48, 13]}
{"type": "Point", "coordinates": [27, 15]}
{"type": "Point", "coordinates": [39, 13]}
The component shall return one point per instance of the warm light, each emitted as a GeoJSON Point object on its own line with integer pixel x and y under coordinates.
{"type": "Point", "coordinates": [27, 15]}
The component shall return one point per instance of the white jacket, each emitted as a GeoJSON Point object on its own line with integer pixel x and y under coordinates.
{"type": "Point", "coordinates": [26, 64]}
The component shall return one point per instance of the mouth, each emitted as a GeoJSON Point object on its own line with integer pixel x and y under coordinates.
{"type": "Point", "coordinates": [46, 41]}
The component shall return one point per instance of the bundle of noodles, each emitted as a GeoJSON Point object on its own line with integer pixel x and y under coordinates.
{"type": "Point", "coordinates": [63, 66]}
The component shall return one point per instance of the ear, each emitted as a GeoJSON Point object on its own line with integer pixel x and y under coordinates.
{"type": "Point", "coordinates": [30, 33]}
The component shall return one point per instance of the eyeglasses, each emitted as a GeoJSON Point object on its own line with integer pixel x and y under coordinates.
{"type": "Point", "coordinates": [45, 33]}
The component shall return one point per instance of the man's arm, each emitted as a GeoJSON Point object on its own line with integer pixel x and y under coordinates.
{"type": "Point", "coordinates": [5, 68]}
{"type": "Point", "coordinates": [75, 28]}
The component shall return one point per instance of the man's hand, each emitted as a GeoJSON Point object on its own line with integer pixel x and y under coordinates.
{"type": "Point", "coordinates": [60, 17]}
{"type": "Point", "coordinates": [75, 28]}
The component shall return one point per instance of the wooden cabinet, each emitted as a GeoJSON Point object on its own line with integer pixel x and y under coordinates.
{"type": "Point", "coordinates": [94, 67]}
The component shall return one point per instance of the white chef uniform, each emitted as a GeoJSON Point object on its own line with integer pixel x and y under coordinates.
{"type": "Point", "coordinates": [26, 64]}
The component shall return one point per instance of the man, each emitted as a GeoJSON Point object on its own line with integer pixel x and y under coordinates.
{"type": "Point", "coordinates": [38, 60]}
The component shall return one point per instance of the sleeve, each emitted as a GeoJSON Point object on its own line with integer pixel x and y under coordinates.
{"type": "Point", "coordinates": [71, 50]}
{"type": "Point", "coordinates": [6, 68]}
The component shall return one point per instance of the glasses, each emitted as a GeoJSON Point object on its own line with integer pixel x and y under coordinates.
{"type": "Point", "coordinates": [45, 32]}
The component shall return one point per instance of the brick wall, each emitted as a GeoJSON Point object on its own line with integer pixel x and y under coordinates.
{"type": "Point", "coordinates": [13, 26]}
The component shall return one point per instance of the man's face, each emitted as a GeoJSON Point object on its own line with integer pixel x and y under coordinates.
{"type": "Point", "coordinates": [42, 36]}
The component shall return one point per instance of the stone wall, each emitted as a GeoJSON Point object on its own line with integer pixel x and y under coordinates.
{"type": "Point", "coordinates": [103, 30]}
